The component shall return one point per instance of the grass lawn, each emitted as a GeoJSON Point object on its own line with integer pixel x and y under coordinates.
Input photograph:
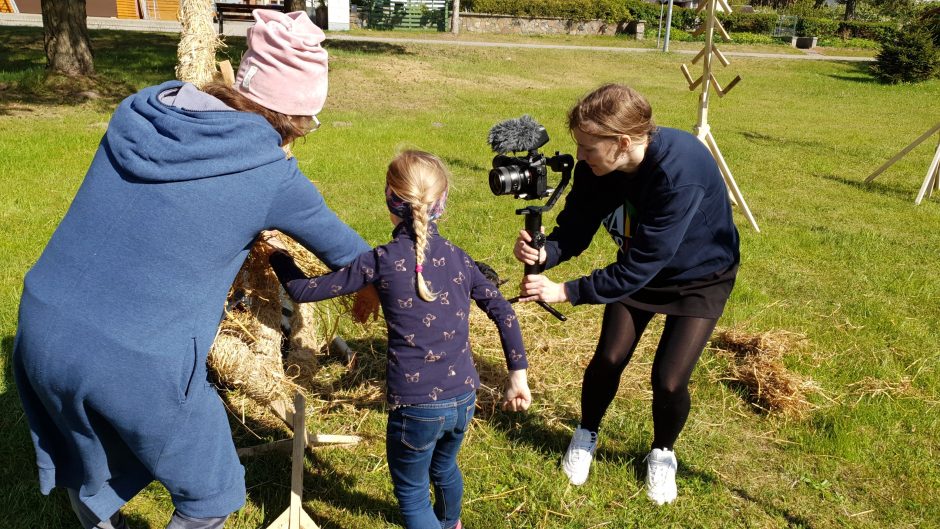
{"type": "Point", "coordinates": [850, 270]}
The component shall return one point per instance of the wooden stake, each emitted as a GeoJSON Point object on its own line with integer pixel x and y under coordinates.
{"type": "Point", "coordinates": [932, 180]}
{"type": "Point", "coordinates": [295, 517]}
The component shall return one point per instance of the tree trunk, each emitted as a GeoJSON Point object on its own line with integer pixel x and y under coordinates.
{"type": "Point", "coordinates": [295, 5]}
{"type": "Point", "coordinates": [849, 9]}
{"type": "Point", "coordinates": [455, 18]}
{"type": "Point", "coordinates": [68, 46]}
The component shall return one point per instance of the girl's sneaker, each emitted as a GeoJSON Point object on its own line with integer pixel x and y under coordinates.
{"type": "Point", "coordinates": [661, 468]}
{"type": "Point", "coordinates": [577, 460]}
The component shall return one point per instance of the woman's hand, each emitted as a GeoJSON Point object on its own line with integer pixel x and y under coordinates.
{"type": "Point", "coordinates": [525, 253]}
{"type": "Point", "coordinates": [366, 304]}
{"type": "Point", "coordinates": [537, 287]}
{"type": "Point", "coordinates": [517, 397]}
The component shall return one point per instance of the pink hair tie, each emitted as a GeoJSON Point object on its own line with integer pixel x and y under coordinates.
{"type": "Point", "coordinates": [419, 269]}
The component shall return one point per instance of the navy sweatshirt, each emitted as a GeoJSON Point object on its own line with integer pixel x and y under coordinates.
{"type": "Point", "coordinates": [429, 355]}
{"type": "Point", "coordinates": [671, 221]}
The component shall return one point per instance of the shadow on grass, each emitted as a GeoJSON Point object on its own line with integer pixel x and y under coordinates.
{"type": "Point", "coordinates": [861, 72]}
{"type": "Point", "coordinates": [125, 61]}
{"type": "Point", "coordinates": [267, 478]}
{"type": "Point", "coordinates": [369, 48]}
{"type": "Point", "coordinates": [768, 140]}
{"type": "Point", "coordinates": [471, 167]}
{"type": "Point", "coordinates": [894, 191]}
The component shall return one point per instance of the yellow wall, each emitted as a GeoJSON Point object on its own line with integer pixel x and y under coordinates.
{"type": "Point", "coordinates": [127, 9]}
{"type": "Point", "coordinates": [166, 9]}
{"type": "Point", "coordinates": [5, 7]}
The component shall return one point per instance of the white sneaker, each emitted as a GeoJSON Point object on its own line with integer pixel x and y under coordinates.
{"type": "Point", "coordinates": [661, 468]}
{"type": "Point", "coordinates": [577, 460]}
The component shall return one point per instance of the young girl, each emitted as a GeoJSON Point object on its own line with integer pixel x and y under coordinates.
{"type": "Point", "coordinates": [425, 285]}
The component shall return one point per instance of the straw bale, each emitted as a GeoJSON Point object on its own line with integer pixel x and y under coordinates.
{"type": "Point", "coordinates": [198, 43]}
{"type": "Point", "coordinates": [756, 364]}
{"type": "Point", "coordinates": [248, 354]}
{"type": "Point", "coordinates": [258, 376]}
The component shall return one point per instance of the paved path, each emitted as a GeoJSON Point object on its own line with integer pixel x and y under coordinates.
{"type": "Point", "coordinates": [238, 29]}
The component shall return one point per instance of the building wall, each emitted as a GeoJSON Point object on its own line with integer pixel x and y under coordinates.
{"type": "Point", "coordinates": [160, 9]}
{"type": "Point", "coordinates": [94, 8]}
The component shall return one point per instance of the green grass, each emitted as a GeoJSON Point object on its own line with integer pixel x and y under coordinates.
{"type": "Point", "coordinates": [852, 267]}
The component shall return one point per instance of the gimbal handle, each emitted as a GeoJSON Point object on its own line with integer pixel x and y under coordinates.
{"type": "Point", "coordinates": [533, 224]}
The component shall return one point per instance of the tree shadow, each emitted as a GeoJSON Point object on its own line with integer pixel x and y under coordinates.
{"type": "Point", "coordinates": [860, 72]}
{"type": "Point", "coordinates": [125, 61]}
{"type": "Point", "coordinates": [365, 47]}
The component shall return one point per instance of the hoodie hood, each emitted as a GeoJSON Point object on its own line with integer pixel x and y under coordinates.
{"type": "Point", "coordinates": [149, 140]}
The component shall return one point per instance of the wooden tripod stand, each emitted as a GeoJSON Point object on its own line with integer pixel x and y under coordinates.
{"type": "Point", "coordinates": [706, 81]}
{"type": "Point", "coordinates": [294, 517]}
{"type": "Point", "coordinates": [932, 181]}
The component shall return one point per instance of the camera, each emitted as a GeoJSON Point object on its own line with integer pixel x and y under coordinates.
{"type": "Point", "coordinates": [524, 177]}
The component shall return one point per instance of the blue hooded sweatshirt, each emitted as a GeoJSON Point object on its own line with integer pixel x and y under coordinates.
{"type": "Point", "coordinates": [118, 314]}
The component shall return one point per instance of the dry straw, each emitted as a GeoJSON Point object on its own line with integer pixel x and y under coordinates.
{"type": "Point", "coordinates": [756, 364]}
{"type": "Point", "coordinates": [248, 353]}
{"type": "Point", "coordinates": [198, 43]}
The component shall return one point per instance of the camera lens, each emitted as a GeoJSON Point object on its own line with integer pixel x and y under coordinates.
{"type": "Point", "coordinates": [506, 180]}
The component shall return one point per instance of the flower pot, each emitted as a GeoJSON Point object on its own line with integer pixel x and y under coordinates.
{"type": "Point", "coordinates": [804, 43]}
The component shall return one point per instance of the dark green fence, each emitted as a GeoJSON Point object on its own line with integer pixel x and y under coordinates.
{"type": "Point", "coordinates": [405, 14]}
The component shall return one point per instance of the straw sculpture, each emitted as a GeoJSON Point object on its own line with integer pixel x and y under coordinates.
{"type": "Point", "coordinates": [198, 43]}
{"type": "Point", "coordinates": [249, 351]}
{"type": "Point", "coordinates": [756, 364]}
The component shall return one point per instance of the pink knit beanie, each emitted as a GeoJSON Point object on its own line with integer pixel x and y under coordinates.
{"type": "Point", "coordinates": [285, 68]}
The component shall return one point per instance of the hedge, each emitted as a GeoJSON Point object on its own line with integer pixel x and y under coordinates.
{"type": "Point", "coordinates": [613, 11]}
{"type": "Point", "coordinates": [816, 27]}
{"type": "Point", "coordinates": [748, 22]}
{"type": "Point", "coordinates": [880, 31]}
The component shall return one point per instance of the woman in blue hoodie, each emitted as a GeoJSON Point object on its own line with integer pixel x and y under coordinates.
{"type": "Point", "coordinates": [118, 314]}
{"type": "Point", "coordinates": [659, 194]}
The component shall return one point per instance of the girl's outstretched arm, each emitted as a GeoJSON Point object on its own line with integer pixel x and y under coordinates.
{"type": "Point", "coordinates": [349, 279]}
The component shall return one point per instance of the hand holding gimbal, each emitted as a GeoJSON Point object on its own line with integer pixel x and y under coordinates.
{"type": "Point", "coordinates": [526, 177]}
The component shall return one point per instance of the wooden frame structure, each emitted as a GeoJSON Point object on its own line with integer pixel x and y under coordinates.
{"type": "Point", "coordinates": [294, 517]}
{"type": "Point", "coordinates": [932, 180]}
{"type": "Point", "coordinates": [706, 81]}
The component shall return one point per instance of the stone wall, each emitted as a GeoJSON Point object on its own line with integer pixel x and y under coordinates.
{"type": "Point", "coordinates": [483, 23]}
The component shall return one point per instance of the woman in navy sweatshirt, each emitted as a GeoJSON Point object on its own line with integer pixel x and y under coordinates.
{"type": "Point", "coordinates": [118, 314]}
{"type": "Point", "coordinates": [659, 194]}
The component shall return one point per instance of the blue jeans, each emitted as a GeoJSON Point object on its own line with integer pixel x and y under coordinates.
{"type": "Point", "coordinates": [421, 443]}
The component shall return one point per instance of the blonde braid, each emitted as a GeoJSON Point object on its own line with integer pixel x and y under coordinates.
{"type": "Point", "coordinates": [419, 223]}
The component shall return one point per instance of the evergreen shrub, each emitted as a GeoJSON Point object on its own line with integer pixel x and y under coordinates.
{"type": "Point", "coordinates": [912, 58]}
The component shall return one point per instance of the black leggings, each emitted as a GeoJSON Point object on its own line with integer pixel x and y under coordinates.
{"type": "Point", "coordinates": [680, 346]}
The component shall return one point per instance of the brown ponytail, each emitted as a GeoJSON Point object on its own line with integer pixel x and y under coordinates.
{"type": "Point", "coordinates": [282, 123]}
